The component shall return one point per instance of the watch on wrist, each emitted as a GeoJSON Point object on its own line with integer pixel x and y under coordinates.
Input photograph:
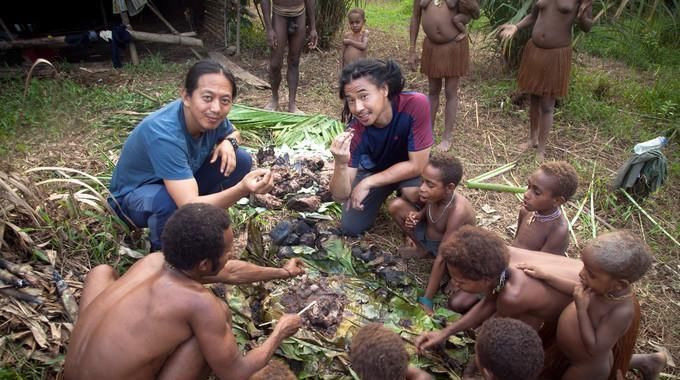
{"type": "Point", "coordinates": [233, 142]}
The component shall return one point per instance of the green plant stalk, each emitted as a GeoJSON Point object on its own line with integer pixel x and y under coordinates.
{"type": "Point", "coordinates": [593, 222]}
{"type": "Point", "coordinates": [495, 187]}
{"type": "Point", "coordinates": [650, 217]}
{"type": "Point", "coordinates": [494, 172]}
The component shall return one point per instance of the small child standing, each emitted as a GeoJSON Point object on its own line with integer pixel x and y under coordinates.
{"type": "Point", "coordinates": [444, 211]}
{"type": "Point", "coordinates": [378, 353]}
{"type": "Point", "coordinates": [541, 226]}
{"type": "Point", "coordinates": [355, 42]}
{"type": "Point", "coordinates": [603, 307]}
{"type": "Point", "coordinates": [508, 349]}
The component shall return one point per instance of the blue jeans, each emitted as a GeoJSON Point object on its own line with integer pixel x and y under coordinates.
{"type": "Point", "coordinates": [355, 222]}
{"type": "Point", "coordinates": [151, 205]}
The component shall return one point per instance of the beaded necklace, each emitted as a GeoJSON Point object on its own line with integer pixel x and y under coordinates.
{"type": "Point", "coordinates": [505, 276]}
{"type": "Point", "coordinates": [536, 217]}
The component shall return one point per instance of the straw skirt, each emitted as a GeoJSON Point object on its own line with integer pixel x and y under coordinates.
{"type": "Point", "coordinates": [451, 59]}
{"type": "Point", "coordinates": [544, 72]}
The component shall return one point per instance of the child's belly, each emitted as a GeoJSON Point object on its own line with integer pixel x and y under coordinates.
{"type": "Point", "coordinates": [569, 335]}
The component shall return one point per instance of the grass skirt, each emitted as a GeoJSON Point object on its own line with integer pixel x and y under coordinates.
{"type": "Point", "coordinates": [451, 59]}
{"type": "Point", "coordinates": [544, 72]}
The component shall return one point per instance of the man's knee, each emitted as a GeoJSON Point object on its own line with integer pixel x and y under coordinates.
{"type": "Point", "coordinates": [244, 162]}
{"type": "Point", "coordinates": [354, 226]}
{"type": "Point", "coordinates": [395, 206]}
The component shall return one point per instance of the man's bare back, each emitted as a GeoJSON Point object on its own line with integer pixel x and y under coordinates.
{"type": "Point", "coordinates": [142, 317]}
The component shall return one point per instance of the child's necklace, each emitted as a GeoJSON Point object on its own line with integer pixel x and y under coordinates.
{"type": "Point", "coordinates": [622, 297]}
{"type": "Point", "coordinates": [429, 210]}
{"type": "Point", "coordinates": [536, 217]}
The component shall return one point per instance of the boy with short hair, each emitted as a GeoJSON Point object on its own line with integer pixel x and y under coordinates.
{"type": "Point", "coordinates": [604, 307]}
{"type": "Point", "coordinates": [158, 320]}
{"type": "Point", "coordinates": [378, 353]}
{"type": "Point", "coordinates": [355, 42]}
{"type": "Point", "coordinates": [508, 349]}
{"type": "Point", "coordinates": [541, 225]}
{"type": "Point", "coordinates": [443, 212]}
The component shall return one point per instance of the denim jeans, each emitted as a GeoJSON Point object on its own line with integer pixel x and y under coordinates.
{"type": "Point", "coordinates": [151, 205]}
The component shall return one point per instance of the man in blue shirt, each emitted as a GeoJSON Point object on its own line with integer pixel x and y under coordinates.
{"type": "Point", "coordinates": [186, 152]}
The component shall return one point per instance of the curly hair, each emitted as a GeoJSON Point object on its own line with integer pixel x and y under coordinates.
{"type": "Point", "coordinates": [510, 349]}
{"type": "Point", "coordinates": [478, 253]}
{"type": "Point", "coordinates": [378, 353]}
{"type": "Point", "coordinates": [450, 168]}
{"type": "Point", "coordinates": [378, 72]}
{"type": "Point", "coordinates": [275, 370]}
{"type": "Point", "coordinates": [622, 255]}
{"type": "Point", "coordinates": [193, 233]}
{"type": "Point", "coordinates": [566, 178]}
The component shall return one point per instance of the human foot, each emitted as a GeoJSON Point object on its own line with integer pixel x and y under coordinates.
{"type": "Point", "coordinates": [445, 145]}
{"type": "Point", "coordinates": [528, 144]}
{"type": "Point", "coordinates": [294, 109]}
{"type": "Point", "coordinates": [540, 156]}
{"type": "Point", "coordinates": [650, 365]}
{"type": "Point", "coordinates": [407, 252]}
{"type": "Point", "coordinates": [273, 105]}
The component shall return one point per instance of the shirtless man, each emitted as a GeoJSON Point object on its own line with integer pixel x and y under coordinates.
{"type": "Point", "coordinates": [285, 23]}
{"type": "Point", "coordinates": [158, 321]}
{"type": "Point", "coordinates": [443, 58]}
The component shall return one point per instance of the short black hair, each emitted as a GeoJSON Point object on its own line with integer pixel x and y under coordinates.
{"type": "Point", "coordinates": [193, 233]}
{"type": "Point", "coordinates": [510, 349]}
{"type": "Point", "coordinates": [378, 353]}
{"type": "Point", "coordinates": [478, 253]}
{"type": "Point", "coordinates": [622, 255]}
{"type": "Point", "coordinates": [450, 168]}
{"type": "Point", "coordinates": [378, 72]}
{"type": "Point", "coordinates": [207, 66]}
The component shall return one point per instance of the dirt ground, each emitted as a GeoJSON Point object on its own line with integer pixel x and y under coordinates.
{"type": "Point", "coordinates": [486, 137]}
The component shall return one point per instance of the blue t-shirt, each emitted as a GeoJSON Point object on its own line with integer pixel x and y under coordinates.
{"type": "Point", "coordinates": [160, 147]}
{"type": "Point", "coordinates": [375, 149]}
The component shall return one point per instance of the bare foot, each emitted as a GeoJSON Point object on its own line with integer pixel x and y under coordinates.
{"type": "Point", "coordinates": [445, 145]}
{"type": "Point", "coordinates": [273, 105]}
{"type": "Point", "coordinates": [407, 252]}
{"type": "Point", "coordinates": [650, 365]}
{"type": "Point", "coordinates": [540, 156]}
{"type": "Point", "coordinates": [526, 145]}
{"type": "Point", "coordinates": [296, 110]}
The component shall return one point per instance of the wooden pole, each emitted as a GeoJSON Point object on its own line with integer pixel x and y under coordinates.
{"type": "Point", "coordinates": [167, 23]}
{"type": "Point", "coordinates": [238, 27]}
{"type": "Point", "coordinates": [4, 27]}
{"type": "Point", "coordinates": [133, 49]}
{"type": "Point", "coordinates": [60, 41]}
